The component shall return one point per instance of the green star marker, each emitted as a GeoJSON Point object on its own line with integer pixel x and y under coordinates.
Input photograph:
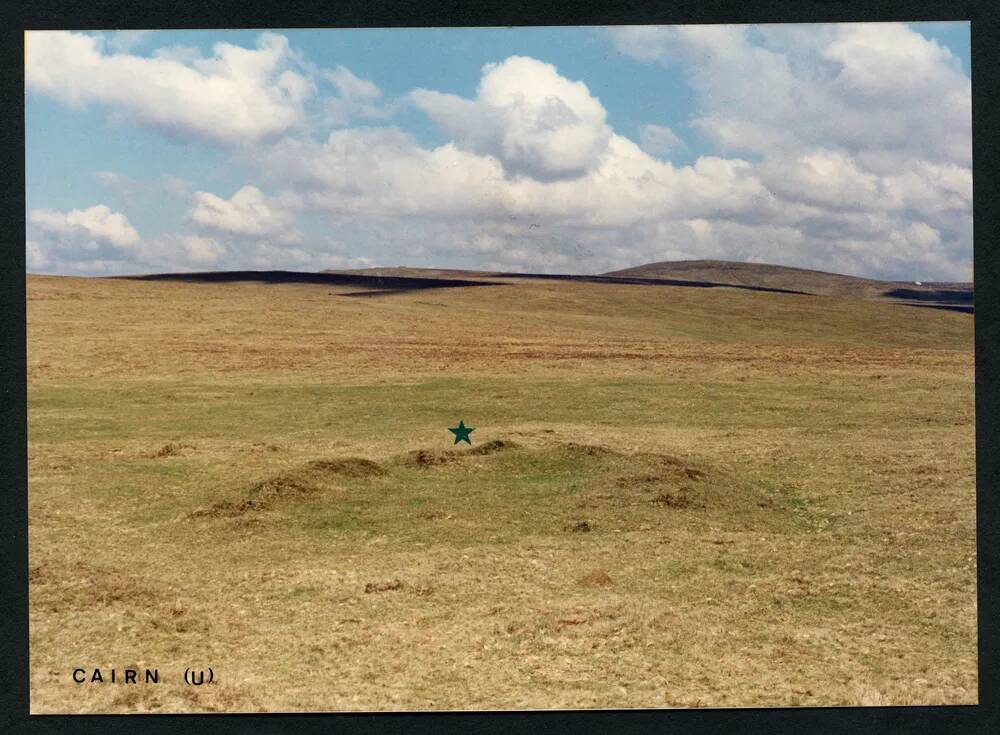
{"type": "Point", "coordinates": [461, 433]}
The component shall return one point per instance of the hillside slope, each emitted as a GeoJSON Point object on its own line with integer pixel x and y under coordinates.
{"type": "Point", "coordinates": [797, 279]}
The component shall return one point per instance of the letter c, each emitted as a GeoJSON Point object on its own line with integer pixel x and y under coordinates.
{"type": "Point", "coordinates": [79, 681]}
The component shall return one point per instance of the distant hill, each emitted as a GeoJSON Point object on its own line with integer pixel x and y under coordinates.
{"type": "Point", "coordinates": [722, 273]}
{"type": "Point", "coordinates": [798, 279]}
{"type": "Point", "coordinates": [407, 272]}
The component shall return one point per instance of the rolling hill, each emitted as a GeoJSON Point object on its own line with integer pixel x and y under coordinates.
{"type": "Point", "coordinates": [721, 273]}
{"type": "Point", "coordinates": [814, 282]}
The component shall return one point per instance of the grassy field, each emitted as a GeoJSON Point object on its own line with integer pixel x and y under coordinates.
{"type": "Point", "coordinates": [675, 497]}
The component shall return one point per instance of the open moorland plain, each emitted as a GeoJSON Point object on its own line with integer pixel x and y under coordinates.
{"type": "Point", "coordinates": [675, 496]}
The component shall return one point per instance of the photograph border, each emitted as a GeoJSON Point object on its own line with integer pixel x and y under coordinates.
{"type": "Point", "coordinates": [170, 14]}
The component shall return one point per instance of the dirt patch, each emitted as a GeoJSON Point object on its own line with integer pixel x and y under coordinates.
{"type": "Point", "coordinates": [580, 527]}
{"type": "Point", "coordinates": [597, 578]}
{"type": "Point", "coordinates": [383, 586]}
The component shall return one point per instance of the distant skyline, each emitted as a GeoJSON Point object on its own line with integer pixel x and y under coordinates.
{"type": "Point", "coordinates": [838, 147]}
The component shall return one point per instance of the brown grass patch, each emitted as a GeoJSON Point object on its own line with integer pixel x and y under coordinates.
{"type": "Point", "coordinates": [306, 480]}
{"type": "Point", "coordinates": [678, 499]}
{"type": "Point", "coordinates": [597, 578]}
{"type": "Point", "coordinates": [58, 587]}
{"type": "Point", "coordinates": [492, 447]}
{"type": "Point", "coordinates": [433, 457]}
{"type": "Point", "coordinates": [171, 449]}
{"type": "Point", "coordinates": [435, 515]}
{"type": "Point", "coordinates": [350, 467]}
{"type": "Point", "coordinates": [392, 586]}
{"type": "Point", "coordinates": [428, 458]}
{"type": "Point", "coordinates": [589, 450]}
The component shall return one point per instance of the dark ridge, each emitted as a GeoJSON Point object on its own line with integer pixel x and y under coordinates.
{"type": "Point", "coordinates": [647, 282]}
{"type": "Point", "coordinates": [949, 296]}
{"type": "Point", "coordinates": [961, 308]}
{"type": "Point", "coordinates": [378, 283]}
{"type": "Point", "coordinates": [379, 292]}
{"type": "Point", "coordinates": [950, 285]}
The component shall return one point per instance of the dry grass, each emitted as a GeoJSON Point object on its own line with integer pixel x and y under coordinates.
{"type": "Point", "coordinates": [675, 497]}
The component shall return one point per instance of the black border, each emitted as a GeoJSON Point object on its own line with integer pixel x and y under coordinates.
{"type": "Point", "coordinates": [168, 14]}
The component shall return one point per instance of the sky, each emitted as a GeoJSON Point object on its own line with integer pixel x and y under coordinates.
{"type": "Point", "coordinates": [839, 147]}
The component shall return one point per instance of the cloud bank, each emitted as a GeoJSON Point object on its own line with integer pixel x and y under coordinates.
{"type": "Point", "coordinates": [236, 96]}
{"type": "Point", "coordinates": [839, 147]}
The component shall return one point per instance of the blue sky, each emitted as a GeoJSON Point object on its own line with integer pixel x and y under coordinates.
{"type": "Point", "coordinates": [193, 150]}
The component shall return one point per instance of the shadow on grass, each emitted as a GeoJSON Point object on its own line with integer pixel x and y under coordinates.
{"type": "Point", "coordinates": [379, 285]}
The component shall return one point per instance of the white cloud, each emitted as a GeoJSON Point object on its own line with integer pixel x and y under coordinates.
{"type": "Point", "coordinates": [97, 224]}
{"type": "Point", "coordinates": [352, 86]}
{"type": "Point", "coordinates": [186, 55]}
{"type": "Point", "coordinates": [819, 161]}
{"type": "Point", "coordinates": [202, 249]}
{"type": "Point", "coordinates": [357, 98]}
{"type": "Point", "coordinates": [863, 131]}
{"type": "Point", "coordinates": [34, 257]}
{"type": "Point", "coordinates": [238, 95]}
{"type": "Point", "coordinates": [248, 212]}
{"type": "Point", "coordinates": [658, 140]}
{"type": "Point", "coordinates": [84, 241]}
{"type": "Point", "coordinates": [855, 86]}
{"type": "Point", "coordinates": [492, 204]}
{"type": "Point", "coordinates": [534, 121]}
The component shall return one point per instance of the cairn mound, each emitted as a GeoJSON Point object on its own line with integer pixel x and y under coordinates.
{"type": "Point", "coordinates": [305, 480]}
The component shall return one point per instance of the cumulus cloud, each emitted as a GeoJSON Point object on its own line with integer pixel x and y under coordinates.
{"type": "Point", "coordinates": [202, 249]}
{"type": "Point", "coordinates": [97, 224]}
{"type": "Point", "coordinates": [356, 98]}
{"type": "Point", "coordinates": [504, 193]}
{"type": "Point", "coordinates": [238, 95]}
{"type": "Point", "coordinates": [855, 86]}
{"type": "Point", "coordinates": [818, 162]}
{"type": "Point", "coordinates": [248, 212]}
{"type": "Point", "coordinates": [534, 121]}
{"type": "Point", "coordinates": [867, 124]}
{"type": "Point", "coordinates": [658, 140]}
{"type": "Point", "coordinates": [88, 240]}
